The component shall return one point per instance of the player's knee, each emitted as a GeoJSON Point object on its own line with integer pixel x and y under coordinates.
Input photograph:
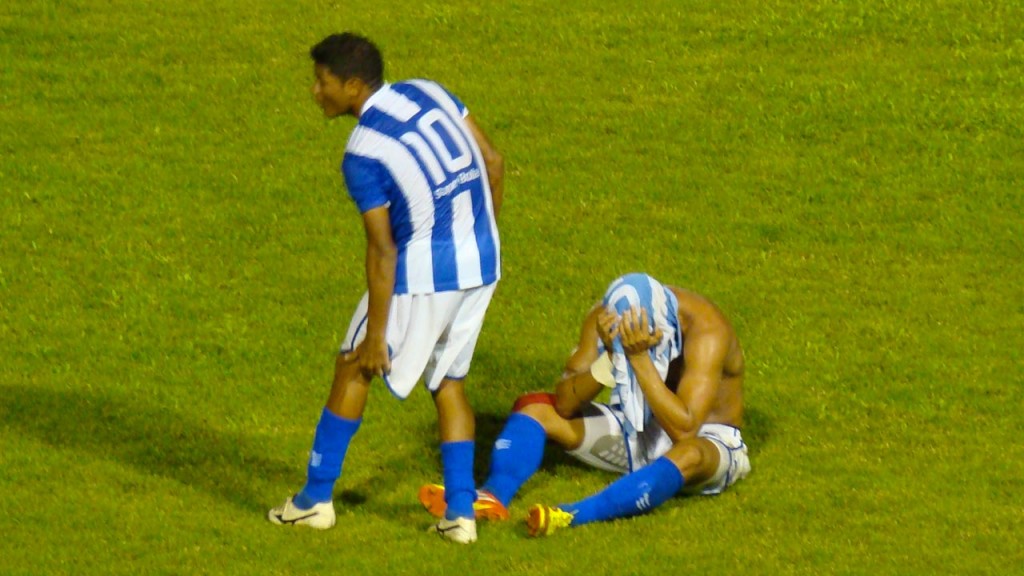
{"type": "Point", "coordinates": [687, 456]}
{"type": "Point", "coordinates": [347, 371]}
{"type": "Point", "coordinates": [566, 409]}
{"type": "Point", "coordinates": [696, 459]}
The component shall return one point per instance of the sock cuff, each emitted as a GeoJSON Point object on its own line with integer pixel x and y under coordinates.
{"type": "Point", "coordinates": [458, 446]}
{"type": "Point", "coordinates": [335, 421]}
{"type": "Point", "coordinates": [669, 472]}
{"type": "Point", "coordinates": [522, 423]}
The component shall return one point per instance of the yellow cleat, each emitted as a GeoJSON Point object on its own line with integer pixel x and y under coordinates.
{"type": "Point", "coordinates": [487, 506]}
{"type": "Point", "coordinates": [542, 520]}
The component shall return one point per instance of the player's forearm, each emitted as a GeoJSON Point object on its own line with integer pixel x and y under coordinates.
{"type": "Point", "coordinates": [380, 279]}
{"type": "Point", "coordinates": [493, 162]}
{"type": "Point", "coordinates": [672, 413]}
{"type": "Point", "coordinates": [496, 178]}
{"type": "Point", "coordinates": [574, 390]}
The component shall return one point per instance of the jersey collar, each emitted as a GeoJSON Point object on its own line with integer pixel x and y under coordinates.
{"type": "Point", "coordinates": [374, 97]}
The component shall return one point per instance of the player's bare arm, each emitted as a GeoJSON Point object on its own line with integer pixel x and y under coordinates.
{"type": "Point", "coordinates": [607, 328]}
{"type": "Point", "coordinates": [578, 386]}
{"type": "Point", "coordinates": [494, 162]}
{"type": "Point", "coordinates": [680, 414]}
{"type": "Point", "coordinates": [381, 259]}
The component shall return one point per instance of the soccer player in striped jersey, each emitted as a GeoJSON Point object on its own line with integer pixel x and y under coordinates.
{"type": "Point", "coordinates": [429, 186]}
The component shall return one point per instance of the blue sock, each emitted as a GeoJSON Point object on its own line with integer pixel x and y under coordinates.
{"type": "Point", "coordinates": [459, 487]}
{"type": "Point", "coordinates": [516, 456]}
{"type": "Point", "coordinates": [632, 494]}
{"type": "Point", "coordinates": [333, 434]}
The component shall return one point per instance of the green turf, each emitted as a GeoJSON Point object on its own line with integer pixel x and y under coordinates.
{"type": "Point", "coordinates": [178, 262]}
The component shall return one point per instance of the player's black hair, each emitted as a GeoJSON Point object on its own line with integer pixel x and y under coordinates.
{"type": "Point", "coordinates": [348, 56]}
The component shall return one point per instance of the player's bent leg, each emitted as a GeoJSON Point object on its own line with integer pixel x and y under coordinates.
{"type": "Point", "coordinates": [519, 449]}
{"type": "Point", "coordinates": [541, 407]}
{"type": "Point", "coordinates": [696, 458]}
{"type": "Point", "coordinates": [713, 461]}
{"type": "Point", "coordinates": [515, 457]}
{"type": "Point", "coordinates": [339, 421]}
{"type": "Point", "coordinates": [635, 493]}
{"type": "Point", "coordinates": [349, 389]}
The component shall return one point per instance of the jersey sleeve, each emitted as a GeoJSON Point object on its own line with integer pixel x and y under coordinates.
{"type": "Point", "coordinates": [458, 103]}
{"type": "Point", "coordinates": [462, 107]}
{"type": "Point", "coordinates": [367, 181]}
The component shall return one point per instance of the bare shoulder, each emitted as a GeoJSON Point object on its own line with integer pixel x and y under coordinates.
{"type": "Point", "coordinates": [702, 319]}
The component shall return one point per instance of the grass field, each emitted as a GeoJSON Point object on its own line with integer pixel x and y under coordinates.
{"type": "Point", "coordinates": [179, 261]}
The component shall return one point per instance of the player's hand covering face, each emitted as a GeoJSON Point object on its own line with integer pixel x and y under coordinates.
{"type": "Point", "coordinates": [635, 332]}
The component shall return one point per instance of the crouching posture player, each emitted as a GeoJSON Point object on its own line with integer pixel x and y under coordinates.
{"type": "Point", "coordinates": [672, 424]}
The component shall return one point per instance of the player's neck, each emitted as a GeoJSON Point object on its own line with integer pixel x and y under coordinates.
{"type": "Point", "coordinates": [359, 106]}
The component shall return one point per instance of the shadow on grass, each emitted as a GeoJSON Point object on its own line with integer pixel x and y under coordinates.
{"type": "Point", "coordinates": [156, 441]}
{"type": "Point", "coordinates": [757, 429]}
{"type": "Point", "coordinates": [757, 432]}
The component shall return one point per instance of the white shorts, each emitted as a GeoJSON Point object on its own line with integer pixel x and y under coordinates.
{"type": "Point", "coordinates": [429, 335]}
{"type": "Point", "coordinates": [605, 447]}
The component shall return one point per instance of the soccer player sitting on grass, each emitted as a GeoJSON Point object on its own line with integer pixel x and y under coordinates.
{"type": "Point", "coordinates": [672, 424]}
{"type": "Point", "coordinates": [428, 184]}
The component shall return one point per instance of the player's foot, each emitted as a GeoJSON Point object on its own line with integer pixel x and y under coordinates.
{"type": "Point", "coordinates": [487, 506]}
{"type": "Point", "coordinates": [461, 530]}
{"type": "Point", "coordinates": [542, 520]}
{"type": "Point", "coordinates": [320, 516]}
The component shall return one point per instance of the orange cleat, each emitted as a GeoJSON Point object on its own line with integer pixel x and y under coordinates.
{"type": "Point", "coordinates": [486, 507]}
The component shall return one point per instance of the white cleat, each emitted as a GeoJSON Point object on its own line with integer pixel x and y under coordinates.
{"type": "Point", "coordinates": [320, 516]}
{"type": "Point", "coordinates": [461, 530]}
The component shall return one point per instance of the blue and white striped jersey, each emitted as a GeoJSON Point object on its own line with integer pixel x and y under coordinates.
{"type": "Point", "coordinates": [412, 152]}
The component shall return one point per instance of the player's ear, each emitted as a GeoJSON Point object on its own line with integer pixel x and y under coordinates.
{"type": "Point", "coordinates": [353, 86]}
